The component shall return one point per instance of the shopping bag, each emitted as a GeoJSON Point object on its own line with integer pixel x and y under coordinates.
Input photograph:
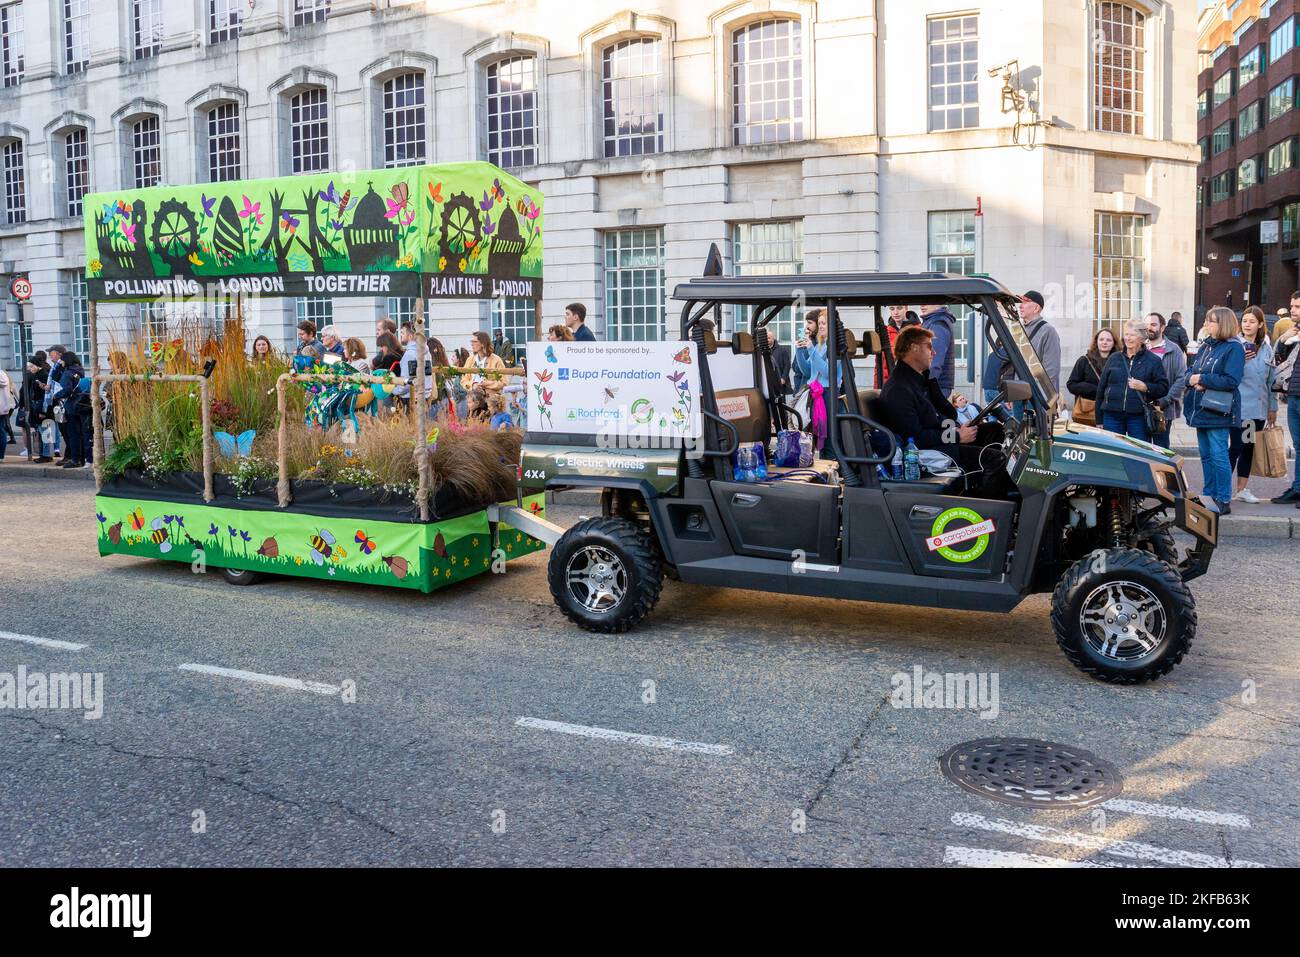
{"type": "Point", "coordinates": [1270, 453]}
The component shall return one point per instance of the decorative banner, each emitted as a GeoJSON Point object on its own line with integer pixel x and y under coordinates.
{"type": "Point", "coordinates": [398, 554]}
{"type": "Point", "coordinates": [633, 391]}
{"type": "Point", "coordinates": [454, 231]}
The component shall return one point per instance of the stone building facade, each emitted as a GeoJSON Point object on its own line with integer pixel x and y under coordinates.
{"type": "Point", "coordinates": [1048, 143]}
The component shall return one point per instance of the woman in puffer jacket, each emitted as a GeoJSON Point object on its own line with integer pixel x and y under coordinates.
{"type": "Point", "coordinates": [1131, 378]}
{"type": "Point", "coordinates": [1219, 365]}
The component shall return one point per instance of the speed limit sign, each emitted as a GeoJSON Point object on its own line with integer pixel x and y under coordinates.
{"type": "Point", "coordinates": [21, 288]}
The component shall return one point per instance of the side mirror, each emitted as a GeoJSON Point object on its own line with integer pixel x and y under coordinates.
{"type": "Point", "coordinates": [1018, 391]}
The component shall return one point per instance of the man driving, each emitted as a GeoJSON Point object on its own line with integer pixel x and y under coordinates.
{"type": "Point", "coordinates": [913, 406]}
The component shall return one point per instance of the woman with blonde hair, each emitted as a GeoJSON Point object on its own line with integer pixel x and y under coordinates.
{"type": "Point", "coordinates": [1132, 377]}
{"type": "Point", "coordinates": [1213, 402]}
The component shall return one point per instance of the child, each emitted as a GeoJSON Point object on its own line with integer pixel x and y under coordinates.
{"type": "Point", "coordinates": [966, 409]}
{"type": "Point", "coordinates": [496, 406]}
{"type": "Point", "coordinates": [477, 406]}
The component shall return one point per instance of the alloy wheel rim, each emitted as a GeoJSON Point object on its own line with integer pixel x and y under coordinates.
{"type": "Point", "coordinates": [1123, 621]}
{"type": "Point", "coordinates": [596, 578]}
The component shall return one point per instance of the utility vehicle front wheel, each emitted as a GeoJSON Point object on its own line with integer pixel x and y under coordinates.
{"type": "Point", "coordinates": [240, 576]}
{"type": "Point", "coordinates": [605, 574]}
{"type": "Point", "coordinates": [1123, 615]}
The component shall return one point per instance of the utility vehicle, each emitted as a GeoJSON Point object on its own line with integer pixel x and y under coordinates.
{"type": "Point", "coordinates": [1077, 512]}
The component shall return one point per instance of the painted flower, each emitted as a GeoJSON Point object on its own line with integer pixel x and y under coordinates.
{"type": "Point", "coordinates": [100, 516]}
{"type": "Point", "coordinates": [231, 530]}
{"type": "Point", "coordinates": [462, 264]}
{"type": "Point", "coordinates": [297, 560]}
{"type": "Point", "coordinates": [244, 535]}
{"type": "Point", "coordinates": [442, 263]}
{"type": "Point", "coordinates": [331, 573]}
{"type": "Point", "coordinates": [212, 529]}
{"type": "Point", "coordinates": [180, 521]}
{"type": "Point", "coordinates": [95, 265]}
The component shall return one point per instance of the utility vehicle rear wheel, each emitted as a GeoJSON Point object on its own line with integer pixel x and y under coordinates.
{"type": "Point", "coordinates": [605, 574]}
{"type": "Point", "coordinates": [1123, 615]}
{"type": "Point", "coordinates": [240, 576]}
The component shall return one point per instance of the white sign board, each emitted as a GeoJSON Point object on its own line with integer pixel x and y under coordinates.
{"type": "Point", "coordinates": [1269, 231]}
{"type": "Point", "coordinates": [642, 389]}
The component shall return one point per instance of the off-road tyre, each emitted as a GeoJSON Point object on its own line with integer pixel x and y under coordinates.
{"type": "Point", "coordinates": [1132, 570]}
{"type": "Point", "coordinates": [241, 576]}
{"type": "Point", "coordinates": [637, 573]}
{"type": "Point", "coordinates": [1161, 545]}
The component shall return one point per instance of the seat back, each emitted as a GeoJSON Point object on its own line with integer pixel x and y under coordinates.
{"type": "Point", "coordinates": [746, 409]}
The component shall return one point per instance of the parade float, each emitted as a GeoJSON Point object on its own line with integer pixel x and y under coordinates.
{"type": "Point", "coordinates": [283, 467]}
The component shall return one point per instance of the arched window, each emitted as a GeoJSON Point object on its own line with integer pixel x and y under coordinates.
{"type": "Point", "coordinates": [512, 112]}
{"type": "Point", "coordinates": [309, 130]}
{"type": "Point", "coordinates": [404, 119]}
{"type": "Point", "coordinates": [632, 97]}
{"type": "Point", "coordinates": [15, 182]}
{"type": "Point", "coordinates": [767, 82]}
{"type": "Point", "coordinates": [1119, 32]}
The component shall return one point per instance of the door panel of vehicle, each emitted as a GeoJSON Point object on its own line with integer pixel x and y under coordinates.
{"type": "Point", "coordinates": [950, 536]}
{"type": "Point", "coordinates": [775, 520]}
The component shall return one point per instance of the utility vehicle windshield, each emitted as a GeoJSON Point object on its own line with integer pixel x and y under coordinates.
{"type": "Point", "coordinates": [1021, 340]}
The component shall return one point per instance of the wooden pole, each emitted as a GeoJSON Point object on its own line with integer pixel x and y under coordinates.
{"type": "Point", "coordinates": [205, 400]}
{"type": "Point", "coordinates": [417, 400]}
{"type": "Point", "coordinates": [537, 321]}
{"type": "Point", "coordinates": [282, 435]}
{"type": "Point", "coordinates": [96, 403]}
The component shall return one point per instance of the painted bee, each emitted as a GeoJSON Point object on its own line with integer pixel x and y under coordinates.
{"type": "Point", "coordinates": [159, 536]}
{"type": "Point", "coordinates": [323, 546]}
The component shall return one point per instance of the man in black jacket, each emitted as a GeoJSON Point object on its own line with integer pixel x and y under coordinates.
{"type": "Point", "coordinates": [913, 406]}
{"type": "Point", "coordinates": [780, 361]}
{"type": "Point", "coordinates": [1175, 332]}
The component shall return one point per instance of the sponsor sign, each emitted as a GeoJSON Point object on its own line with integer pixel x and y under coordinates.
{"type": "Point", "coordinates": [979, 530]}
{"type": "Point", "coordinates": [633, 391]}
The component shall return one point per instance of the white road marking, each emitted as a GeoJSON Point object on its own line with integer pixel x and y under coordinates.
{"type": "Point", "coordinates": [1098, 842]}
{"type": "Point", "coordinates": [604, 734]}
{"type": "Point", "coordinates": [1176, 813]}
{"type": "Point", "coordinates": [983, 857]}
{"type": "Point", "coordinates": [42, 642]}
{"type": "Point", "coordinates": [295, 684]}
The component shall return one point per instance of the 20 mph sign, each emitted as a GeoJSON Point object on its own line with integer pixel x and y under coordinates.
{"type": "Point", "coordinates": [21, 288]}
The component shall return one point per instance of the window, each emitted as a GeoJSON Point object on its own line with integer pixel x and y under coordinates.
{"type": "Point", "coordinates": [1248, 173]}
{"type": "Point", "coordinates": [146, 152]}
{"type": "Point", "coordinates": [74, 285]}
{"type": "Point", "coordinates": [1267, 10]}
{"type": "Point", "coordinates": [1290, 225]}
{"type": "Point", "coordinates": [153, 321]}
{"type": "Point", "coordinates": [76, 41]}
{"type": "Point", "coordinates": [404, 121]}
{"type": "Point", "coordinates": [767, 83]}
{"type": "Point", "coordinates": [1221, 187]}
{"type": "Point", "coordinates": [1219, 51]}
{"type": "Point", "coordinates": [631, 91]}
{"type": "Point", "coordinates": [1205, 149]}
{"type": "Point", "coordinates": [954, 73]}
{"type": "Point", "coordinates": [1118, 74]}
{"type": "Point", "coordinates": [515, 316]}
{"type": "Point", "coordinates": [76, 168]}
{"type": "Point", "coordinates": [1281, 98]}
{"type": "Point", "coordinates": [1240, 32]}
{"type": "Point", "coordinates": [1280, 156]}
{"type": "Point", "coordinates": [309, 131]}
{"type": "Point", "coordinates": [768, 249]}
{"type": "Point", "coordinates": [634, 285]}
{"type": "Point", "coordinates": [512, 112]}
{"type": "Point", "coordinates": [11, 158]}
{"type": "Point", "coordinates": [223, 143]}
{"type": "Point", "coordinates": [22, 333]}
{"type": "Point", "coordinates": [1248, 120]}
{"type": "Point", "coordinates": [319, 309]}
{"type": "Point", "coordinates": [1221, 139]}
{"type": "Point", "coordinates": [402, 309]}
{"type": "Point", "coordinates": [1250, 66]}
{"type": "Point", "coordinates": [1281, 40]}
{"type": "Point", "coordinates": [1119, 267]}
{"type": "Point", "coordinates": [11, 44]}
{"type": "Point", "coordinates": [310, 11]}
{"type": "Point", "coordinates": [951, 249]}
{"type": "Point", "coordinates": [1223, 89]}
{"type": "Point", "coordinates": [1203, 105]}
{"type": "Point", "coordinates": [146, 27]}
{"type": "Point", "coordinates": [223, 19]}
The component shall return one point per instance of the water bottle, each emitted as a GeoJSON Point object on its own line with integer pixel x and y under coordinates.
{"type": "Point", "coordinates": [911, 463]}
{"type": "Point", "coordinates": [897, 466]}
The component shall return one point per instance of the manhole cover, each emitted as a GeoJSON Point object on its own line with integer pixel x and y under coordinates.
{"type": "Point", "coordinates": [1031, 773]}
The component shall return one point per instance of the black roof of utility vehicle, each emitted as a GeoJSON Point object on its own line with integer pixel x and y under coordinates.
{"type": "Point", "coordinates": [898, 288]}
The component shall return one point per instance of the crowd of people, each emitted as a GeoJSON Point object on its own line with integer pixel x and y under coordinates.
{"type": "Point", "coordinates": [50, 405]}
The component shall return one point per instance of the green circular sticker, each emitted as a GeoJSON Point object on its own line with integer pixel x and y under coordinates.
{"type": "Point", "coordinates": [980, 529]}
{"type": "Point", "coordinates": [642, 411]}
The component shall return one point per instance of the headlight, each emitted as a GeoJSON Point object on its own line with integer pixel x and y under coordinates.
{"type": "Point", "coordinates": [1168, 481]}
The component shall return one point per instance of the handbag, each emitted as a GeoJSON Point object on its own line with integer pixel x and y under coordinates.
{"type": "Point", "coordinates": [1157, 423]}
{"type": "Point", "coordinates": [1085, 410]}
{"type": "Point", "coordinates": [1217, 400]}
{"type": "Point", "coordinates": [1270, 453]}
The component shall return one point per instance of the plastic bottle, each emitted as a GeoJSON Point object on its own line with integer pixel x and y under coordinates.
{"type": "Point", "coordinates": [897, 466]}
{"type": "Point", "coordinates": [911, 463]}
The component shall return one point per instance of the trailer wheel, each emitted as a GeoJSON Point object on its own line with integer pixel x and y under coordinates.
{"type": "Point", "coordinates": [605, 574]}
{"type": "Point", "coordinates": [1123, 615]}
{"type": "Point", "coordinates": [240, 576]}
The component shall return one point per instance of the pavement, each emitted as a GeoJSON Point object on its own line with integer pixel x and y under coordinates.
{"type": "Point", "coordinates": [435, 745]}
